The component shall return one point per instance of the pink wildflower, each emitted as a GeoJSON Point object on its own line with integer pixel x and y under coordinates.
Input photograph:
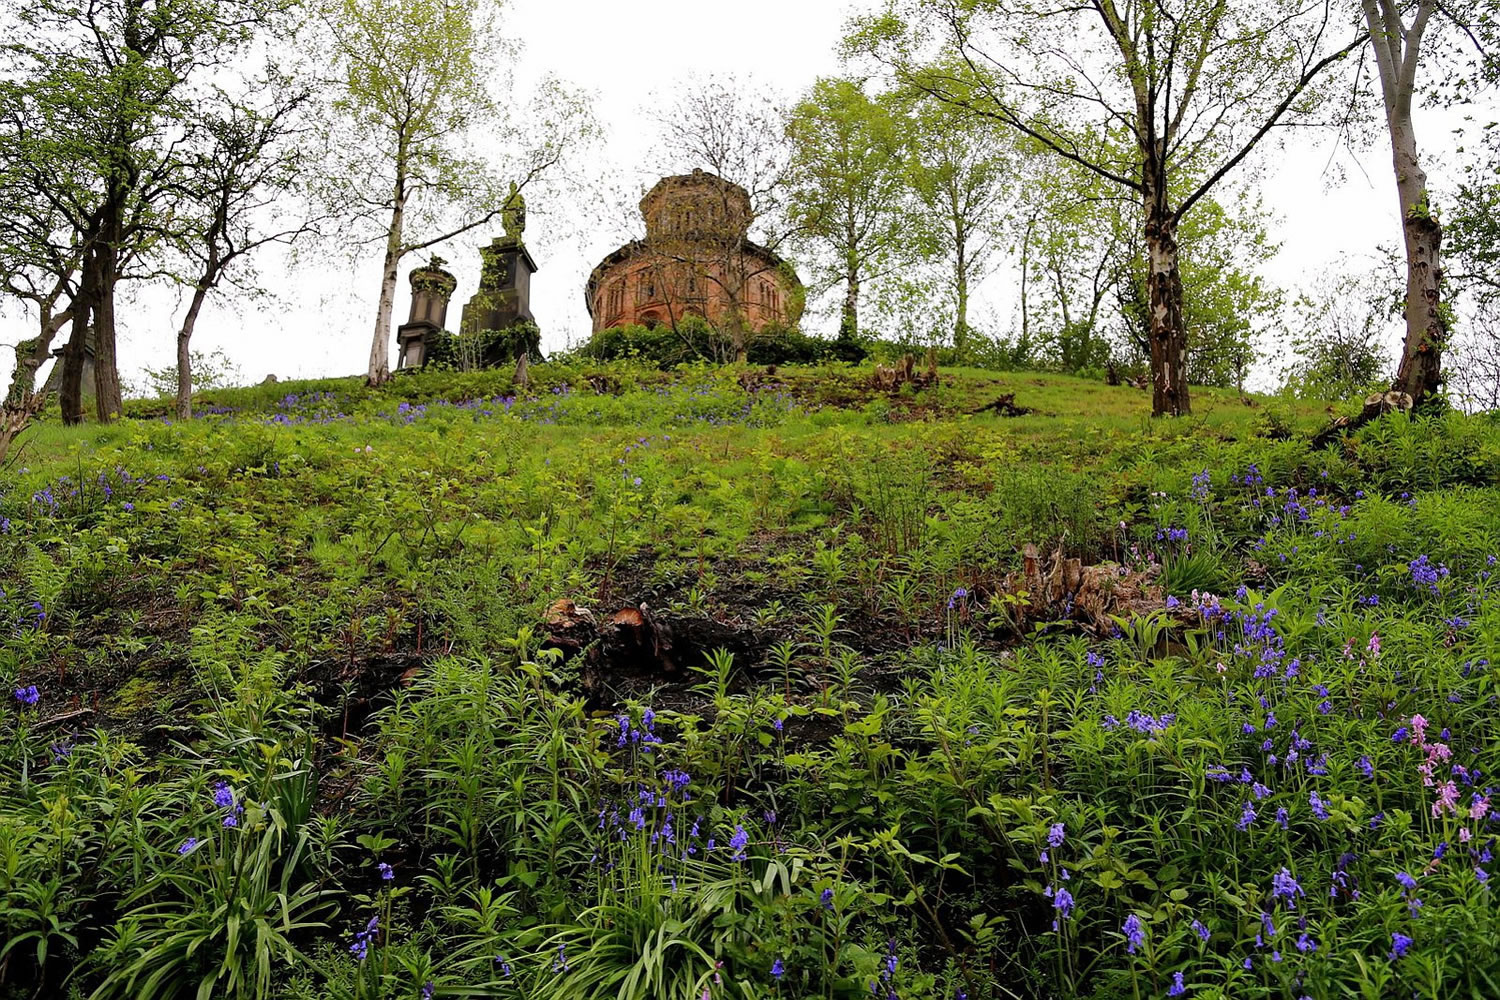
{"type": "Point", "coordinates": [1447, 800]}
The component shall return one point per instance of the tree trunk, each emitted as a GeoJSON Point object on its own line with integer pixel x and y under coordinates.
{"type": "Point", "coordinates": [1023, 345]}
{"type": "Point", "coordinates": [849, 321]}
{"type": "Point", "coordinates": [107, 397]}
{"type": "Point", "coordinates": [70, 396]}
{"type": "Point", "coordinates": [961, 305]}
{"type": "Point", "coordinates": [184, 356]}
{"type": "Point", "coordinates": [735, 274]}
{"type": "Point", "coordinates": [1398, 50]}
{"type": "Point", "coordinates": [1426, 326]}
{"type": "Point", "coordinates": [734, 323]}
{"type": "Point", "coordinates": [1168, 336]}
{"type": "Point", "coordinates": [23, 379]}
{"type": "Point", "coordinates": [380, 346]}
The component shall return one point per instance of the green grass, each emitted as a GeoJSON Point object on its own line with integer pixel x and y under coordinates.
{"type": "Point", "coordinates": [334, 602]}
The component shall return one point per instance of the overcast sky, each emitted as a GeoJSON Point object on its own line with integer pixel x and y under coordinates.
{"type": "Point", "coordinates": [630, 55]}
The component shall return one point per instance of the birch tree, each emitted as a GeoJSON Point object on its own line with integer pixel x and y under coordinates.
{"type": "Point", "coordinates": [850, 196]}
{"type": "Point", "coordinates": [1405, 38]}
{"type": "Point", "coordinates": [425, 149]}
{"type": "Point", "coordinates": [1192, 87]}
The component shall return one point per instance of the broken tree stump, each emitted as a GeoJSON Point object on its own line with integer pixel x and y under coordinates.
{"type": "Point", "coordinates": [1377, 405]}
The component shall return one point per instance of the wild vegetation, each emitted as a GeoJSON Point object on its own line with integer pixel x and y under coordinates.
{"type": "Point", "coordinates": [719, 660]}
{"type": "Point", "coordinates": [295, 709]}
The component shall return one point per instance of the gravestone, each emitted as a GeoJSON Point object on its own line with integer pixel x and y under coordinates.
{"type": "Point", "coordinates": [53, 385]}
{"type": "Point", "coordinates": [431, 288]}
{"type": "Point", "coordinates": [504, 296]}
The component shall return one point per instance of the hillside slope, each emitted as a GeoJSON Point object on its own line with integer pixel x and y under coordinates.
{"type": "Point", "coordinates": [747, 683]}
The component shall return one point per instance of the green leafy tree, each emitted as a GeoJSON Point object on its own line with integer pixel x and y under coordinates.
{"type": "Point", "coordinates": [39, 253]}
{"type": "Point", "coordinates": [211, 370]}
{"type": "Point", "coordinates": [1473, 240]}
{"type": "Point", "coordinates": [412, 125]}
{"type": "Point", "coordinates": [1144, 95]}
{"type": "Point", "coordinates": [850, 196]}
{"type": "Point", "coordinates": [1226, 302]}
{"type": "Point", "coordinates": [1073, 232]}
{"type": "Point", "coordinates": [962, 173]}
{"type": "Point", "coordinates": [99, 95]}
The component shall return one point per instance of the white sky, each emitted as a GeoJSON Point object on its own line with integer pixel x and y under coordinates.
{"type": "Point", "coordinates": [631, 55]}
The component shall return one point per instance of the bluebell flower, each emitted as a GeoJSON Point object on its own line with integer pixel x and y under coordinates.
{"type": "Point", "coordinates": [1135, 933]}
{"type": "Point", "coordinates": [778, 969]}
{"type": "Point", "coordinates": [1285, 886]}
{"type": "Point", "coordinates": [223, 795]}
{"type": "Point", "coordinates": [1062, 902]}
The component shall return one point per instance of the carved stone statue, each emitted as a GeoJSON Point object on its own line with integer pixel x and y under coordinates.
{"type": "Point", "coordinates": [513, 215]}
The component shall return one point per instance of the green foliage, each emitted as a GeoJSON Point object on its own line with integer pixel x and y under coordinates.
{"type": "Point", "coordinates": [213, 370]}
{"type": "Point", "coordinates": [485, 348]}
{"type": "Point", "coordinates": [693, 340]}
{"type": "Point", "coordinates": [849, 197]}
{"type": "Point", "coordinates": [1342, 322]}
{"type": "Point", "coordinates": [342, 604]}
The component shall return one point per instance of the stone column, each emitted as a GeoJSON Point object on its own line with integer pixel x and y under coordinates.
{"type": "Point", "coordinates": [431, 288]}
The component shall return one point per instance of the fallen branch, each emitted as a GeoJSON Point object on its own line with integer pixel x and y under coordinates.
{"type": "Point", "coordinates": [58, 720]}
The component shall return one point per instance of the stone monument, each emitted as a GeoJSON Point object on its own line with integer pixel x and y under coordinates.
{"type": "Point", "coordinates": [431, 288]}
{"type": "Point", "coordinates": [53, 385]}
{"type": "Point", "coordinates": [504, 296]}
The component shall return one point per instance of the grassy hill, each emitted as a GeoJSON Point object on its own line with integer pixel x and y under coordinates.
{"type": "Point", "coordinates": [747, 683]}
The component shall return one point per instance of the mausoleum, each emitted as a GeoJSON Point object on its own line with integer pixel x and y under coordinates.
{"type": "Point", "coordinates": [696, 259]}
